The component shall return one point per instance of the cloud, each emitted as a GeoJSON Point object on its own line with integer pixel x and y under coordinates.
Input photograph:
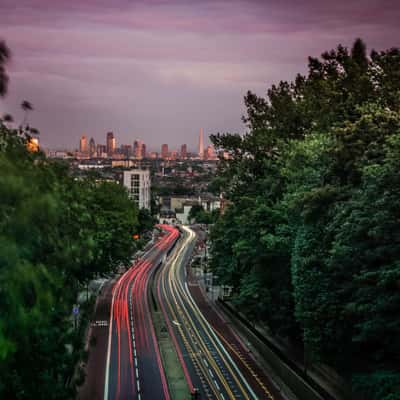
{"type": "Point", "coordinates": [162, 69]}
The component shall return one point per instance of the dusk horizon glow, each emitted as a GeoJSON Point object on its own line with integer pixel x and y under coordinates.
{"type": "Point", "coordinates": [159, 70]}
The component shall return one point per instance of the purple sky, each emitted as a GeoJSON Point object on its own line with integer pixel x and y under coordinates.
{"type": "Point", "coordinates": [159, 70]}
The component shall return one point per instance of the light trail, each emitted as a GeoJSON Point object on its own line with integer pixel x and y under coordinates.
{"type": "Point", "coordinates": [134, 367]}
{"type": "Point", "coordinates": [202, 350]}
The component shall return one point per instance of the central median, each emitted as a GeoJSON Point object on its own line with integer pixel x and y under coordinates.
{"type": "Point", "coordinates": [177, 384]}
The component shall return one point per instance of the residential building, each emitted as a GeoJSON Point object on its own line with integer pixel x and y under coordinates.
{"type": "Point", "coordinates": [58, 154]}
{"type": "Point", "coordinates": [137, 182]}
{"type": "Point", "coordinates": [183, 205]}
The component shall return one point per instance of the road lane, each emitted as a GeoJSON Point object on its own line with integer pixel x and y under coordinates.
{"type": "Point", "coordinates": [134, 369]}
{"type": "Point", "coordinates": [206, 362]}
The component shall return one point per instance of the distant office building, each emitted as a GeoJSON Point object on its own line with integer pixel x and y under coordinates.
{"type": "Point", "coordinates": [136, 148]}
{"type": "Point", "coordinates": [164, 151]}
{"type": "Point", "coordinates": [173, 155]}
{"type": "Point", "coordinates": [139, 149]}
{"type": "Point", "coordinates": [143, 150]}
{"type": "Point", "coordinates": [183, 151]}
{"type": "Point", "coordinates": [83, 144]}
{"type": "Point", "coordinates": [92, 147]}
{"type": "Point", "coordinates": [153, 155]}
{"type": "Point", "coordinates": [137, 182]}
{"type": "Point", "coordinates": [209, 153]}
{"type": "Point", "coordinates": [126, 150]}
{"type": "Point", "coordinates": [110, 144]}
{"type": "Point", "coordinates": [201, 143]}
{"type": "Point", "coordinates": [101, 151]}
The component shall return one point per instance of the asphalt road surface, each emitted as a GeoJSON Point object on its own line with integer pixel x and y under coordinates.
{"type": "Point", "coordinates": [134, 369]}
{"type": "Point", "coordinates": [203, 351]}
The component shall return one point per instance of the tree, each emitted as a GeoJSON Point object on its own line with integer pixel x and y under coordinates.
{"type": "Point", "coordinates": [56, 233]}
{"type": "Point", "coordinates": [5, 55]}
{"type": "Point", "coordinates": [195, 211]}
{"type": "Point", "coordinates": [26, 107]}
{"type": "Point", "coordinates": [309, 240]}
{"type": "Point", "coordinates": [8, 118]}
{"type": "Point", "coordinates": [146, 221]}
{"type": "Point", "coordinates": [201, 216]}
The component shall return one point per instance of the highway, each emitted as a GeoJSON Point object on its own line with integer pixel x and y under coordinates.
{"type": "Point", "coordinates": [207, 364]}
{"type": "Point", "coordinates": [133, 365]}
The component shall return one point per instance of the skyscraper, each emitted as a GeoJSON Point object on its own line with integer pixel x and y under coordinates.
{"type": "Point", "coordinates": [83, 144]}
{"type": "Point", "coordinates": [92, 147]}
{"type": "Point", "coordinates": [201, 144]}
{"type": "Point", "coordinates": [209, 153]}
{"type": "Point", "coordinates": [101, 150]}
{"type": "Point", "coordinates": [126, 150]}
{"type": "Point", "coordinates": [139, 149]}
{"type": "Point", "coordinates": [143, 150]}
{"type": "Point", "coordinates": [164, 151]}
{"type": "Point", "coordinates": [110, 143]}
{"type": "Point", "coordinates": [183, 151]}
{"type": "Point", "coordinates": [136, 149]}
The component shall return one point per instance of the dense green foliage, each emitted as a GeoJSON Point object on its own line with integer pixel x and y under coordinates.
{"type": "Point", "coordinates": [56, 233]}
{"type": "Point", "coordinates": [199, 215]}
{"type": "Point", "coordinates": [311, 239]}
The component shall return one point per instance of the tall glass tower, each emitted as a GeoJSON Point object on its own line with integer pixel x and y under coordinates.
{"type": "Point", "coordinates": [201, 144]}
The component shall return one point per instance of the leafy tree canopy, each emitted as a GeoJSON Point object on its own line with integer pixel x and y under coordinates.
{"type": "Point", "coordinates": [55, 234]}
{"type": "Point", "coordinates": [310, 240]}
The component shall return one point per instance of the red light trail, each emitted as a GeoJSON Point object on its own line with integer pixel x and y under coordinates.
{"type": "Point", "coordinates": [134, 362]}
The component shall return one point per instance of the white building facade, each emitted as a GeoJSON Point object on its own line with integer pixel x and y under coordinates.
{"type": "Point", "coordinates": [137, 181]}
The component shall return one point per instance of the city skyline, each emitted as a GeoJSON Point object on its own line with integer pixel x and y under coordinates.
{"type": "Point", "coordinates": [138, 149]}
{"type": "Point", "coordinates": [85, 140]}
{"type": "Point", "coordinates": [156, 71]}
{"type": "Point", "coordinates": [100, 139]}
